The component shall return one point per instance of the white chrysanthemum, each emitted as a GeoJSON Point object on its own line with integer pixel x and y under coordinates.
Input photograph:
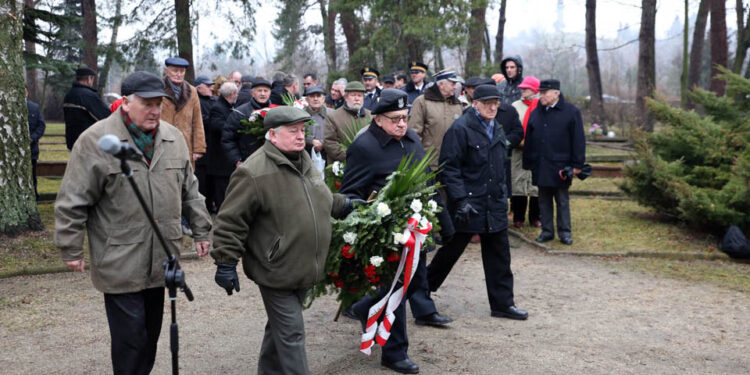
{"type": "Point", "coordinates": [336, 169]}
{"type": "Point", "coordinates": [398, 238]}
{"type": "Point", "coordinates": [383, 210]}
{"type": "Point", "coordinates": [432, 205]}
{"type": "Point", "coordinates": [416, 205]}
{"type": "Point", "coordinates": [349, 237]}
{"type": "Point", "coordinates": [376, 260]}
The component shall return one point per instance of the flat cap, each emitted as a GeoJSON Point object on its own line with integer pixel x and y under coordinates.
{"type": "Point", "coordinates": [485, 92]}
{"type": "Point", "coordinates": [143, 84]}
{"type": "Point", "coordinates": [203, 80]}
{"type": "Point", "coordinates": [314, 90]}
{"type": "Point", "coordinates": [85, 72]}
{"type": "Point", "coordinates": [390, 100]}
{"type": "Point", "coordinates": [177, 61]}
{"type": "Point", "coordinates": [417, 66]}
{"type": "Point", "coordinates": [284, 115]}
{"type": "Point", "coordinates": [368, 72]}
{"type": "Point", "coordinates": [355, 86]}
{"type": "Point", "coordinates": [261, 82]}
{"type": "Point", "coordinates": [549, 84]}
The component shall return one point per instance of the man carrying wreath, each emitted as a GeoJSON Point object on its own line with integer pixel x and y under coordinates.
{"type": "Point", "coordinates": [372, 157]}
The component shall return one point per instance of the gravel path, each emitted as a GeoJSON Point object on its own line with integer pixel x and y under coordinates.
{"type": "Point", "coordinates": [586, 316]}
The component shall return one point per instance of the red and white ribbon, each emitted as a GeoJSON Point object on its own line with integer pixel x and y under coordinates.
{"type": "Point", "coordinates": [414, 237]}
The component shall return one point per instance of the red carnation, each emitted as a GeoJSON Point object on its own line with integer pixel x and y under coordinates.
{"type": "Point", "coordinates": [375, 280]}
{"type": "Point", "coordinates": [392, 257]}
{"type": "Point", "coordinates": [353, 290]}
{"type": "Point", "coordinates": [333, 275]}
{"type": "Point", "coordinates": [369, 271]}
{"type": "Point", "coordinates": [337, 184]}
{"type": "Point", "coordinates": [338, 284]}
{"type": "Point", "coordinates": [345, 251]}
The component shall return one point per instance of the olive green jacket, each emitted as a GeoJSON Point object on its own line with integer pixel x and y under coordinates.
{"type": "Point", "coordinates": [431, 115]}
{"type": "Point", "coordinates": [125, 254]}
{"type": "Point", "coordinates": [277, 219]}
{"type": "Point", "coordinates": [337, 127]}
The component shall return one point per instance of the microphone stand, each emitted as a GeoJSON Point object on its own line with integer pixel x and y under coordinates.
{"type": "Point", "coordinates": [174, 277]}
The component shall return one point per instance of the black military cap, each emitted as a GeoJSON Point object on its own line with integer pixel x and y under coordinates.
{"type": "Point", "coordinates": [284, 115]}
{"type": "Point", "coordinates": [368, 72]}
{"type": "Point", "coordinates": [84, 72]}
{"type": "Point", "coordinates": [314, 90]}
{"type": "Point", "coordinates": [390, 100]}
{"type": "Point", "coordinates": [261, 82]}
{"type": "Point", "coordinates": [549, 84]}
{"type": "Point", "coordinates": [485, 92]}
{"type": "Point", "coordinates": [418, 67]}
{"type": "Point", "coordinates": [143, 84]}
{"type": "Point", "coordinates": [389, 79]}
{"type": "Point", "coordinates": [203, 80]}
{"type": "Point", "coordinates": [177, 61]}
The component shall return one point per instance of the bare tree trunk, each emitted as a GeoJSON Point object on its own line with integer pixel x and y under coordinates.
{"type": "Point", "coordinates": [475, 43]}
{"type": "Point", "coordinates": [719, 44]}
{"type": "Point", "coordinates": [104, 72]}
{"type": "Point", "coordinates": [683, 76]}
{"type": "Point", "coordinates": [592, 64]}
{"type": "Point", "coordinates": [328, 15]}
{"type": "Point", "coordinates": [646, 63]}
{"type": "Point", "coordinates": [18, 210]}
{"type": "Point", "coordinates": [499, 36]}
{"type": "Point", "coordinates": [350, 25]}
{"type": "Point", "coordinates": [88, 31]}
{"type": "Point", "coordinates": [696, 50]}
{"type": "Point", "coordinates": [487, 47]}
{"type": "Point", "coordinates": [184, 36]}
{"type": "Point", "coordinates": [31, 73]}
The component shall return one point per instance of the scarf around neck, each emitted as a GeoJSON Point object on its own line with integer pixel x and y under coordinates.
{"type": "Point", "coordinates": [143, 140]}
{"type": "Point", "coordinates": [532, 104]}
{"type": "Point", "coordinates": [176, 89]}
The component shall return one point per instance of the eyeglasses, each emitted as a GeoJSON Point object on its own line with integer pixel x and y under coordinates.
{"type": "Point", "coordinates": [397, 119]}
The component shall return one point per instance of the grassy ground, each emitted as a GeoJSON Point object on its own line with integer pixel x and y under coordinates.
{"type": "Point", "coordinates": [593, 184]}
{"type": "Point", "coordinates": [48, 184]}
{"type": "Point", "coordinates": [55, 133]}
{"type": "Point", "coordinates": [618, 226]}
{"type": "Point", "coordinates": [720, 272]}
{"type": "Point", "coordinates": [604, 151]}
{"type": "Point", "coordinates": [54, 128]}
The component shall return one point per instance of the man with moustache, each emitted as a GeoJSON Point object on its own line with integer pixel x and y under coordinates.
{"type": "Point", "coordinates": [341, 120]}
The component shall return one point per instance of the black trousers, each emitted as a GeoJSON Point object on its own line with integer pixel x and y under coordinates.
{"type": "Point", "coordinates": [495, 260]}
{"type": "Point", "coordinates": [134, 325]}
{"type": "Point", "coordinates": [562, 201]}
{"type": "Point", "coordinates": [205, 185]}
{"type": "Point", "coordinates": [33, 173]}
{"type": "Point", "coordinates": [518, 205]}
{"type": "Point", "coordinates": [397, 346]}
{"type": "Point", "coordinates": [220, 184]}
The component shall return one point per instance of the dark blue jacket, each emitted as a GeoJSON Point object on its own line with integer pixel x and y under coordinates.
{"type": "Point", "coordinates": [218, 163]}
{"type": "Point", "coordinates": [412, 91]}
{"type": "Point", "coordinates": [554, 140]}
{"type": "Point", "coordinates": [474, 170]}
{"type": "Point", "coordinates": [206, 103]}
{"type": "Point", "coordinates": [82, 107]}
{"type": "Point", "coordinates": [370, 101]}
{"type": "Point", "coordinates": [36, 127]}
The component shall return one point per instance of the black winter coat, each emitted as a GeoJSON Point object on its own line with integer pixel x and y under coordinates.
{"type": "Point", "coordinates": [507, 117]}
{"type": "Point", "coordinates": [554, 140]}
{"type": "Point", "coordinates": [509, 91]}
{"type": "Point", "coordinates": [36, 127]}
{"type": "Point", "coordinates": [238, 146]}
{"type": "Point", "coordinates": [370, 101]}
{"type": "Point", "coordinates": [474, 170]}
{"type": "Point", "coordinates": [246, 93]}
{"type": "Point", "coordinates": [82, 107]}
{"type": "Point", "coordinates": [218, 163]}
{"type": "Point", "coordinates": [206, 103]}
{"type": "Point", "coordinates": [373, 156]}
{"type": "Point", "coordinates": [412, 92]}
{"type": "Point", "coordinates": [334, 104]}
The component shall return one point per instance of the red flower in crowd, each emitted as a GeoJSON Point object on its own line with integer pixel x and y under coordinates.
{"type": "Point", "coordinates": [333, 275]}
{"type": "Point", "coordinates": [338, 284]}
{"type": "Point", "coordinates": [353, 290]}
{"type": "Point", "coordinates": [369, 271]}
{"type": "Point", "coordinates": [337, 184]}
{"type": "Point", "coordinates": [392, 257]}
{"type": "Point", "coordinates": [345, 251]}
{"type": "Point", "coordinates": [375, 280]}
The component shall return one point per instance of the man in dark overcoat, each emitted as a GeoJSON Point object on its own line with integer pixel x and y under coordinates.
{"type": "Point", "coordinates": [238, 146]}
{"type": "Point", "coordinates": [204, 87]}
{"type": "Point", "coordinates": [554, 140]}
{"type": "Point", "coordinates": [82, 106]}
{"type": "Point", "coordinates": [473, 158]}
{"type": "Point", "coordinates": [36, 131]}
{"type": "Point", "coordinates": [219, 166]}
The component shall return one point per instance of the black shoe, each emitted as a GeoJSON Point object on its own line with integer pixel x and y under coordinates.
{"type": "Point", "coordinates": [350, 313]}
{"type": "Point", "coordinates": [511, 312]}
{"type": "Point", "coordinates": [566, 240]}
{"type": "Point", "coordinates": [542, 238]}
{"type": "Point", "coordinates": [404, 366]}
{"type": "Point", "coordinates": [434, 319]}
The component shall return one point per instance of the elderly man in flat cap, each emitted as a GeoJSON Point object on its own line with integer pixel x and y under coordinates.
{"type": "Point", "coordinates": [181, 106]}
{"type": "Point", "coordinates": [341, 120]}
{"type": "Point", "coordinates": [82, 106]}
{"type": "Point", "coordinates": [372, 157]}
{"type": "Point", "coordinates": [126, 258]}
{"type": "Point", "coordinates": [282, 240]}
{"type": "Point", "coordinates": [473, 159]}
{"type": "Point", "coordinates": [554, 141]}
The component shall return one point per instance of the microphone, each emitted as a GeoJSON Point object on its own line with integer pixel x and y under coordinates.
{"type": "Point", "coordinates": [112, 145]}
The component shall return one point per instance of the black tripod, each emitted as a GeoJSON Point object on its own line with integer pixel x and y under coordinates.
{"type": "Point", "coordinates": [174, 277]}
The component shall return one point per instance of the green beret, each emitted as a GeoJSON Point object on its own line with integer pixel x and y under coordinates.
{"type": "Point", "coordinates": [284, 115]}
{"type": "Point", "coordinates": [355, 86]}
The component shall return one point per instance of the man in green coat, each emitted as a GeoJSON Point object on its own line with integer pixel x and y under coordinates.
{"type": "Point", "coordinates": [276, 218]}
{"type": "Point", "coordinates": [126, 257]}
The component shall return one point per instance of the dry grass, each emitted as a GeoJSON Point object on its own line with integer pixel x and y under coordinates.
{"type": "Point", "coordinates": [604, 151]}
{"type": "Point", "coordinates": [48, 184]}
{"type": "Point", "coordinates": [594, 184]}
{"type": "Point", "coordinates": [724, 273]}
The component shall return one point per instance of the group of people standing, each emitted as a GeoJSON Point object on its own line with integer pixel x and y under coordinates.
{"type": "Point", "coordinates": [273, 207]}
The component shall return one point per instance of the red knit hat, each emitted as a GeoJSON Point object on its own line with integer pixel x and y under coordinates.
{"type": "Point", "coordinates": [531, 83]}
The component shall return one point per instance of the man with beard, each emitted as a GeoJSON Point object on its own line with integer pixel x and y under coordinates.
{"type": "Point", "coordinates": [182, 108]}
{"type": "Point", "coordinates": [219, 167]}
{"type": "Point", "coordinates": [512, 69]}
{"type": "Point", "coordinates": [238, 146]}
{"type": "Point", "coordinates": [341, 121]}
{"type": "Point", "coordinates": [372, 90]}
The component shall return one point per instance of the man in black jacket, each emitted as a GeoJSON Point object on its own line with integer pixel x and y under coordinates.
{"type": "Point", "coordinates": [246, 90]}
{"type": "Point", "coordinates": [204, 87]}
{"type": "Point", "coordinates": [554, 140]}
{"type": "Point", "coordinates": [219, 167]}
{"type": "Point", "coordinates": [473, 158]}
{"type": "Point", "coordinates": [36, 130]}
{"type": "Point", "coordinates": [237, 146]}
{"type": "Point", "coordinates": [82, 106]}
{"type": "Point", "coordinates": [372, 157]}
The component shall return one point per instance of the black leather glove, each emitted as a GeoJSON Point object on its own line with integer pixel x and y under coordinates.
{"type": "Point", "coordinates": [226, 277]}
{"type": "Point", "coordinates": [464, 211]}
{"type": "Point", "coordinates": [350, 203]}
